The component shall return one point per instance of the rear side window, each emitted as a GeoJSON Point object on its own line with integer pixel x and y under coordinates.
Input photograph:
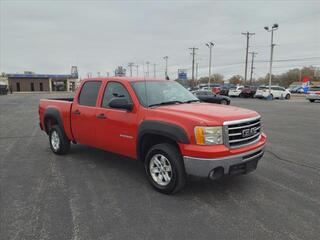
{"type": "Point", "coordinates": [262, 88]}
{"type": "Point", "coordinates": [89, 93]}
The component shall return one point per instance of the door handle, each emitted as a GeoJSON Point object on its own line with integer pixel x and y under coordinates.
{"type": "Point", "coordinates": [76, 112]}
{"type": "Point", "coordinates": [101, 116]}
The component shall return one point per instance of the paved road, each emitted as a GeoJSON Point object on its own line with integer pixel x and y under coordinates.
{"type": "Point", "coordinates": [91, 194]}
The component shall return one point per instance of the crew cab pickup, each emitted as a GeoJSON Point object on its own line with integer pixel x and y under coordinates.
{"type": "Point", "coordinates": [159, 123]}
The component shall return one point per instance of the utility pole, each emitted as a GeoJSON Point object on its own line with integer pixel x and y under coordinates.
{"type": "Point", "coordinates": [137, 66]}
{"type": "Point", "coordinates": [147, 68]}
{"type": "Point", "coordinates": [166, 71]}
{"type": "Point", "coordinates": [154, 70]}
{"type": "Point", "coordinates": [130, 65]}
{"type": "Point", "coordinates": [210, 45]}
{"type": "Point", "coordinates": [252, 59]}
{"type": "Point", "coordinates": [273, 28]}
{"type": "Point", "coordinates": [197, 67]}
{"type": "Point", "coordinates": [248, 35]}
{"type": "Point", "coordinates": [193, 53]}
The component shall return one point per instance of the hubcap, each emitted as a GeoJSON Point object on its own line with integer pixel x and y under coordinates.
{"type": "Point", "coordinates": [160, 169]}
{"type": "Point", "coordinates": [55, 140]}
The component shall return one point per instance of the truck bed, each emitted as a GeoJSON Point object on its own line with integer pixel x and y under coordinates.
{"type": "Point", "coordinates": [61, 107]}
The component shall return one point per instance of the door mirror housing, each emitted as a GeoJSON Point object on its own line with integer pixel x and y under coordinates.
{"type": "Point", "coordinates": [121, 103]}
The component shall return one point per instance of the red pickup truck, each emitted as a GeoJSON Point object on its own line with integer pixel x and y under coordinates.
{"type": "Point", "coordinates": [160, 123]}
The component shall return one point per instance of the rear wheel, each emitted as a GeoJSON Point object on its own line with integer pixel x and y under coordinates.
{"type": "Point", "coordinates": [58, 142]}
{"type": "Point", "coordinates": [165, 169]}
{"type": "Point", "coordinates": [311, 100]}
{"type": "Point", "coordinates": [287, 96]}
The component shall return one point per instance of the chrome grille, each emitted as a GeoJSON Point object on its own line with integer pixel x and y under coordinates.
{"type": "Point", "coordinates": [242, 132]}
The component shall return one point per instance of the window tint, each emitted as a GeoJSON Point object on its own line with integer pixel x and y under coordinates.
{"type": "Point", "coordinates": [89, 93]}
{"type": "Point", "coordinates": [114, 90]}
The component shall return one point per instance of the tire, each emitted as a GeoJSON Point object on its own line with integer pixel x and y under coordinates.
{"type": "Point", "coordinates": [170, 158]}
{"type": "Point", "coordinates": [224, 102]}
{"type": "Point", "coordinates": [58, 142]}
{"type": "Point", "coordinates": [311, 100]}
{"type": "Point", "coordinates": [287, 96]}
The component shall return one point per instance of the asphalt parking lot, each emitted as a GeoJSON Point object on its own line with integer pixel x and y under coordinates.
{"type": "Point", "coordinates": [91, 194]}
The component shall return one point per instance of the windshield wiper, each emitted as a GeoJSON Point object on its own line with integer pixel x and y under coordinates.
{"type": "Point", "coordinates": [194, 100]}
{"type": "Point", "coordinates": [165, 103]}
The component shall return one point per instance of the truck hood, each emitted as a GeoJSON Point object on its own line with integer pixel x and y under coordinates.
{"type": "Point", "coordinates": [207, 113]}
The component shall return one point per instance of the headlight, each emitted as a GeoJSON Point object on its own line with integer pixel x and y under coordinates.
{"type": "Point", "coordinates": [208, 135]}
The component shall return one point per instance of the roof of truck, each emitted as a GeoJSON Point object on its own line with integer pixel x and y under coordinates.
{"type": "Point", "coordinates": [127, 79]}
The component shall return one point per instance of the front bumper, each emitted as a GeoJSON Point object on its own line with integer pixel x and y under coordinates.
{"type": "Point", "coordinates": [234, 164]}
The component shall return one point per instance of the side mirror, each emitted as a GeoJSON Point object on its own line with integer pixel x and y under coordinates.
{"type": "Point", "coordinates": [121, 103]}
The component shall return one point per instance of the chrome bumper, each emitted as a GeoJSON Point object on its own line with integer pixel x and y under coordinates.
{"type": "Point", "coordinates": [204, 167]}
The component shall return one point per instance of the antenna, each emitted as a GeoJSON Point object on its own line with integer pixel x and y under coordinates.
{"type": "Point", "coordinates": [145, 90]}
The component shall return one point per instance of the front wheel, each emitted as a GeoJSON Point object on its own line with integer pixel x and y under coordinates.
{"type": "Point", "coordinates": [224, 102]}
{"type": "Point", "coordinates": [58, 142]}
{"type": "Point", "coordinates": [287, 96]}
{"type": "Point", "coordinates": [165, 169]}
{"type": "Point", "coordinates": [311, 100]}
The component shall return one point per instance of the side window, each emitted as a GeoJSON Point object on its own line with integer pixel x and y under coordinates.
{"type": "Point", "coordinates": [114, 90]}
{"type": "Point", "coordinates": [274, 88]}
{"type": "Point", "coordinates": [89, 93]}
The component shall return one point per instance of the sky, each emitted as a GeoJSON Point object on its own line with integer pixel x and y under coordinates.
{"type": "Point", "coordinates": [97, 36]}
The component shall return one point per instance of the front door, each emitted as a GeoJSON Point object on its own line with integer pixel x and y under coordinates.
{"type": "Point", "coordinates": [83, 113]}
{"type": "Point", "coordinates": [116, 128]}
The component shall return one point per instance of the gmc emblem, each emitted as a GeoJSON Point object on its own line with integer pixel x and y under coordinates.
{"type": "Point", "coordinates": [249, 132]}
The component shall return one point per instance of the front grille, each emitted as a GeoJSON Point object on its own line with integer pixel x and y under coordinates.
{"type": "Point", "coordinates": [243, 132]}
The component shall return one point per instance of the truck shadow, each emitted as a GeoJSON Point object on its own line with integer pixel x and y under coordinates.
{"type": "Point", "coordinates": [131, 170]}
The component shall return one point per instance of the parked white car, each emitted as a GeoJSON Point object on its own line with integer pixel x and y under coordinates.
{"type": "Point", "coordinates": [276, 92]}
{"type": "Point", "coordinates": [235, 91]}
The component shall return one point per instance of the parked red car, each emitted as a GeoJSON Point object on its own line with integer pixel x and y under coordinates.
{"type": "Point", "coordinates": [159, 123]}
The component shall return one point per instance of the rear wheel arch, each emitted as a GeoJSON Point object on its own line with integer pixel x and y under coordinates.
{"type": "Point", "coordinates": [51, 118]}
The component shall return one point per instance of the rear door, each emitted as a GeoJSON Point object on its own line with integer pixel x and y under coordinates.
{"type": "Point", "coordinates": [83, 113]}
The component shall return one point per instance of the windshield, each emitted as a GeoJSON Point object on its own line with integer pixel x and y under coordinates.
{"type": "Point", "coordinates": [151, 93]}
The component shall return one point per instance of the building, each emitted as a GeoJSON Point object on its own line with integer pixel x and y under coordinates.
{"type": "Point", "coordinates": [3, 79]}
{"type": "Point", "coordinates": [32, 82]}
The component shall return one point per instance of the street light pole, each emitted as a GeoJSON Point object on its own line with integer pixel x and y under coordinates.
{"type": "Point", "coordinates": [210, 45]}
{"type": "Point", "coordinates": [274, 27]}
